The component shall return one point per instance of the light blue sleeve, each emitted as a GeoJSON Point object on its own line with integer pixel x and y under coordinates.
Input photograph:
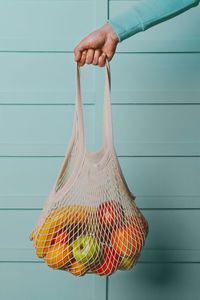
{"type": "Point", "coordinates": [146, 13]}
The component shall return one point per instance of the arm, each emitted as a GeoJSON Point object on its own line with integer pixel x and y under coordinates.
{"type": "Point", "coordinates": [102, 42]}
{"type": "Point", "coordinates": [146, 13]}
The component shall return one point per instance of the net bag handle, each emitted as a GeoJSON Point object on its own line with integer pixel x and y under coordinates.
{"type": "Point", "coordinates": [78, 128]}
{"type": "Point", "coordinates": [78, 134]}
{"type": "Point", "coordinates": [107, 115]}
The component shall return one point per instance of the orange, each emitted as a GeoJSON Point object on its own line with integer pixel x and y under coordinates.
{"type": "Point", "coordinates": [58, 256]}
{"type": "Point", "coordinates": [77, 268]}
{"type": "Point", "coordinates": [76, 213]}
{"type": "Point", "coordinates": [52, 224]}
{"type": "Point", "coordinates": [137, 228]}
{"type": "Point", "coordinates": [139, 239]}
{"type": "Point", "coordinates": [124, 241]}
{"type": "Point", "coordinates": [57, 220]}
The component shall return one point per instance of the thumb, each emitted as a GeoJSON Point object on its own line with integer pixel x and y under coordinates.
{"type": "Point", "coordinates": [110, 54]}
{"type": "Point", "coordinates": [110, 49]}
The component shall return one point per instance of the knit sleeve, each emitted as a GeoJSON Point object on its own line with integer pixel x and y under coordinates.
{"type": "Point", "coordinates": [146, 13]}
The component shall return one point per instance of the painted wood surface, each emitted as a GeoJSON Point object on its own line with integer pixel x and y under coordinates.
{"type": "Point", "coordinates": [156, 120]}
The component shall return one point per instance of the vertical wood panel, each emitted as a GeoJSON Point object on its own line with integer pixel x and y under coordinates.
{"type": "Point", "coordinates": [30, 76]}
{"type": "Point", "coordinates": [44, 33]}
{"type": "Point", "coordinates": [151, 72]}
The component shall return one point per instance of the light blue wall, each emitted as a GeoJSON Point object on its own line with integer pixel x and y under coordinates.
{"type": "Point", "coordinates": [156, 121]}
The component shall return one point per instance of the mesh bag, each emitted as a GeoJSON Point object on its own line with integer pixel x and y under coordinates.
{"type": "Point", "coordinates": [90, 222]}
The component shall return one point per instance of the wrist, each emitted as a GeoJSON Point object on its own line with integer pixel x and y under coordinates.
{"type": "Point", "coordinates": [110, 33]}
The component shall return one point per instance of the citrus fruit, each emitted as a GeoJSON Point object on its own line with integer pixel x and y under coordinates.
{"type": "Point", "coordinates": [58, 256]}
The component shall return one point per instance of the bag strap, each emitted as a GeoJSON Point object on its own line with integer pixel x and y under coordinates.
{"type": "Point", "coordinates": [79, 129]}
{"type": "Point", "coordinates": [107, 137]}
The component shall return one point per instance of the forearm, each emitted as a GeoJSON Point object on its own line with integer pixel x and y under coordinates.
{"type": "Point", "coordinates": [146, 13]}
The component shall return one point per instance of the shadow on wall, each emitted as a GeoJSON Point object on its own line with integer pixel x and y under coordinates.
{"type": "Point", "coordinates": [156, 251]}
{"type": "Point", "coordinates": [155, 269]}
{"type": "Point", "coordinates": [155, 274]}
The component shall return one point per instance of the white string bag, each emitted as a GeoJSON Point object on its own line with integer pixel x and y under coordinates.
{"type": "Point", "coordinates": [90, 222]}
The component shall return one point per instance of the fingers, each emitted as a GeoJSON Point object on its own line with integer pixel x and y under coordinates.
{"type": "Point", "coordinates": [83, 58]}
{"type": "Point", "coordinates": [77, 54]}
{"type": "Point", "coordinates": [97, 54]}
{"type": "Point", "coordinates": [95, 40]}
{"type": "Point", "coordinates": [86, 57]}
{"type": "Point", "coordinates": [90, 56]}
{"type": "Point", "coordinates": [80, 53]}
{"type": "Point", "coordinates": [96, 47]}
{"type": "Point", "coordinates": [102, 60]}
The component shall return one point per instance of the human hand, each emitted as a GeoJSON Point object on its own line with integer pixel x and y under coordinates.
{"type": "Point", "coordinates": [95, 47]}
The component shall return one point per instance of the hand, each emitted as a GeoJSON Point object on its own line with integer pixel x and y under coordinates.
{"type": "Point", "coordinates": [95, 47]}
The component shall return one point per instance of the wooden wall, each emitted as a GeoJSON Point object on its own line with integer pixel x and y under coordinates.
{"type": "Point", "coordinates": [156, 120]}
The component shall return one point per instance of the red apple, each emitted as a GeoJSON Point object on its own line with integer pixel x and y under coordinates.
{"type": "Point", "coordinates": [110, 215]}
{"type": "Point", "coordinates": [60, 238]}
{"type": "Point", "coordinates": [109, 263]}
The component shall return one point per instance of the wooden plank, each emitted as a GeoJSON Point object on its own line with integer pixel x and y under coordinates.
{"type": "Point", "coordinates": [155, 282]}
{"type": "Point", "coordinates": [157, 130]}
{"type": "Point", "coordinates": [45, 25]}
{"type": "Point", "coordinates": [161, 281]}
{"type": "Point", "coordinates": [33, 128]}
{"type": "Point", "coordinates": [157, 182]}
{"type": "Point", "coordinates": [141, 130]}
{"type": "Point", "coordinates": [101, 287]}
{"type": "Point", "coordinates": [37, 281]}
{"type": "Point", "coordinates": [43, 78]}
{"type": "Point", "coordinates": [14, 255]}
{"type": "Point", "coordinates": [50, 79]}
{"type": "Point", "coordinates": [155, 78]}
{"type": "Point", "coordinates": [172, 235]}
{"type": "Point", "coordinates": [179, 34]}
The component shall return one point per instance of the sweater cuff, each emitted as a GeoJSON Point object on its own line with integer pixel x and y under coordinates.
{"type": "Point", "coordinates": [123, 27]}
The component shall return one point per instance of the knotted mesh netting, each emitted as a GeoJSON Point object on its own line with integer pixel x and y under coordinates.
{"type": "Point", "coordinates": [90, 222]}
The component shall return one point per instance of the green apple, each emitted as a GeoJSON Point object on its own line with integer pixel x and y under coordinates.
{"type": "Point", "coordinates": [127, 263]}
{"type": "Point", "coordinates": [86, 249]}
